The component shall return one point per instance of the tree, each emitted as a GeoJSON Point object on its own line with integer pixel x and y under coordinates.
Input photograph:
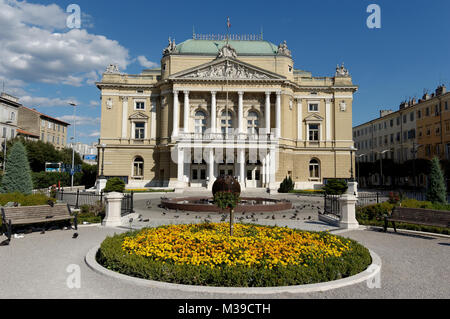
{"type": "Point", "coordinates": [227, 200]}
{"type": "Point", "coordinates": [18, 174]}
{"type": "Point", "coordinates": [436, 192]}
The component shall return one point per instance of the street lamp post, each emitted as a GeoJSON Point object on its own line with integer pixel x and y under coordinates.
{"type": "Point", "coordinates": [73, 140]}
{"type": "Point", "coordinates": [414, 151]}
{"type": "Point", "coordinates": [352, 149]}
{"type": "Point", "coordinates": [359, 164]}
{"type": "Point", "coordinates": [102, 175]}
{"type": "Point", "coordinates": [381, 166]}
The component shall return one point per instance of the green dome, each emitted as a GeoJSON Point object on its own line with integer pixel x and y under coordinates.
{"type": "Point", "coordinates": [212, 47]}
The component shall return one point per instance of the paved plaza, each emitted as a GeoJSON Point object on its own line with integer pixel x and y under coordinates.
{"type": "Point", "coordinates": [413, 266]}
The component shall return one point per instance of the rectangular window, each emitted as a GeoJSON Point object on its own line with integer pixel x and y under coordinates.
{"type": "Point", "coordinates": [314, 132]}
{"type": "Point", "coordinates": [314, 107]}
{"type": "Point", "coordinates": [4, 132]}
{"type": "Point", "coordinates": [392, 123]}
{"type": "Point", "coordinates": [139, 132]}
{"type": "Point", "coordinates": [49, 125]}
{"type": "Point", "coordinates": [419, 114]}
{"type": "Point", "coordinates": [427, 111]}
{"type": "Point", "coordinates": [203, 174]}
{"type": "Point", "coordinates": [404, 118]}
{"type": "Point", "coordinates": [446, 105]}
{"type": "Point", "coordinates": [398, 120]}
{"type": "Point", "coordinates": [436, 110]}
{"type": "Point", "coordinates": [249, 175]}
{"type": "Point", "coordinates": [411, 116]}
{"type": "Point", "coordinates": [140, 106]}
{"type": "Point", "coordinates": [12, 133]}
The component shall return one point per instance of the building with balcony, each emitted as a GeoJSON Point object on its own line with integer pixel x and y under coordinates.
{"type": "Point", "coordinates": [226, 107]}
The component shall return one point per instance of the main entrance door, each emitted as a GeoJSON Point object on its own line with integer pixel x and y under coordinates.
{"type": "Point", "coordinates": [253, 178]}
{"type": "Point", "coordinates": [226, 170]}
{"type": "Point", "coordinates": [198, 175]}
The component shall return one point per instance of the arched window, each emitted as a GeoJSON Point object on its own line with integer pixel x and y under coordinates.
{"type": "Point", "coordinates": [226, 122]}
{"type": "Point", "coordinates": [252, 123]}
{"type": "Point", "coordinates": [138, 167]}
{"type": "Point", "coordinates": [200, 122]}
{"type": "Point", "coordinates": [314, 169]}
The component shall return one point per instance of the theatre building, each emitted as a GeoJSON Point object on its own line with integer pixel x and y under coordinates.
{"type": "Point", "coordinates": [226, 107]}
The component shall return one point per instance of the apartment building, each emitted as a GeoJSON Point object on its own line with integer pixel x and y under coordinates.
{"type": "Point", "coordinates": [49, 129]}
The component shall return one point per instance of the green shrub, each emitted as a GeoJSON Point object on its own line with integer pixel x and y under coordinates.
{"type": "Point", "coordinates": [113, 258]}
{"type": "Point", "coordinates": [92, 213]}
{"type": "Point", "coordinates": [335, 187]}
{"type": "Point", "coordinates": [287, 185]}
{"type": "Point", "coordinates": [24, 200]}
{"type": "Point", "coordinates": [114, 184]}
{"type": "Point", "coordinates": [45, 179]}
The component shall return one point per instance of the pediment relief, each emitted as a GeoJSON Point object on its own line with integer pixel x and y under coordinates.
{"type": "Point", "coordinates": [225, 68]}
{"type": "Point", "coordinates": [314, 118]}
{"type": "Point", "coordinates": [139, 116]}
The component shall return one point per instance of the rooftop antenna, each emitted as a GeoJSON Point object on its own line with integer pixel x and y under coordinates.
{"type": "Point", "coordinates": [193, 32]}
{"type": "Point", "coordinates": [262, 33]}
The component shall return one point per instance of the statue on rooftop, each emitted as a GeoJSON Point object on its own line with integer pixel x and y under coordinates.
{"type": "Point", "coordinates": [283, 49]}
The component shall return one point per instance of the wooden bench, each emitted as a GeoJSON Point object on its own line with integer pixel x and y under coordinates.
{"type": "Point", "coordinates": [419, 216]}
{"type": "Point", "coordinates": [28, 215]}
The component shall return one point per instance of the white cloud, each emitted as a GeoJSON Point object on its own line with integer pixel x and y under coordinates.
{"type": "Point", "coordinates": [94, 134]}
{"type": "Point", "coordinates": [32, 101]}
{"type": "Point", "coordinates": [33, 51]}
{"type": "Point", "coordinates": [81, 120]}
{"type": "Point", "coordinates": [146, 63]}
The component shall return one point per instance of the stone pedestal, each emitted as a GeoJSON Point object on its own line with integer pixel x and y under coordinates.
{"type": "Point", "coordinates": [113, 210]}
{"type": "Point", "coordinates": [348, 212]}
{"type": "Point", "coordinates": [100, 184]}
{"type": "Point", "coordinates": [352, 188]}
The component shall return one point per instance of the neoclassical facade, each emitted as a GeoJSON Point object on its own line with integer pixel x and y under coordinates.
{"type": "Point", "coordinates": [218, 107]}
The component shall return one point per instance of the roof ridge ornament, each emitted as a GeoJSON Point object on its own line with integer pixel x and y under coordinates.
{"type": "Point", "coordinates": [283, 49]}
{"type": "Point", "coordinates": [227, 51]}
{"type": "Point", "coordinates": [171, 48]}
{"type": "Point", "coordinates": [341, 71]}
{"type": "Point", "coordinates": [112, 69]}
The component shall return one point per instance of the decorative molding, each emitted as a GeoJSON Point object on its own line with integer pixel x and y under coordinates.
{"type": "Point", "coordinates": [112, 69]}
{"type": "Point", "coordinates": [139, 116]}
{"type": "Point", "coordinates": [227, 51]}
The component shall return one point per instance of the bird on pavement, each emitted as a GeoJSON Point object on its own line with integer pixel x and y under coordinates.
{"type": "Point", "coordinates": [75, 236]}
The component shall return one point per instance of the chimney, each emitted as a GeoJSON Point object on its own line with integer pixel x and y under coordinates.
{"type": "Point", "coordinates": [426, 96]}
{"type": "Point", "coordinates": [403, 105]}
{"type": "Point", "coordinates": [383, 113]}
{"type": "Point", "coordinates": [441, 90]}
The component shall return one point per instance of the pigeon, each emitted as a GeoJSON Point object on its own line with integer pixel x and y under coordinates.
{"type": "Point", "coordinates": [75, 236]}
{"type": "Point", "coordinates": [4, 243]}
{"type": "Point", "coordinates": [309, 217]}
{"type": "Point", "coordinates": [146, 220]}
{"type": "Point", "coordinates": [273, 216]}
{"type": "Point", "coordinates": [51, 203]}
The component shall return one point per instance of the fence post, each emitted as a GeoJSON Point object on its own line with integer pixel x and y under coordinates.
{"type": "Point", "coordinates": [132, 200]}
{"type": "Point", "coordinates": [78, 195]}
{"type": "Point", "coordinates": [378, 198]}
{"type": "Point", "coordinates": [62, 194]}
{"type": "Point", "coordinates": [101, 197]}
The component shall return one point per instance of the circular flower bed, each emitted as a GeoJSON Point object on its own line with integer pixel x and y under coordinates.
{"type": "Point", "coordinates": [256, 256]}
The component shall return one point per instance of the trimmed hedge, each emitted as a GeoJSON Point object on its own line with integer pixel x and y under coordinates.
{"type": "Point", "coordinates": [112, 257]}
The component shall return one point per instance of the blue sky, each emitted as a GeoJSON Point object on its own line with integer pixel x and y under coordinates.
{"type": "Point", "coordinates": [47, 64]}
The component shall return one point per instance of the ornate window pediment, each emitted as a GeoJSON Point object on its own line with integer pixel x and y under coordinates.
{"type": "Point", "coordinates": [138, 116]}
{"type": "Point", "coordinates": [227, 68]}
{"type": "Point", "coordinates": [314, 118]}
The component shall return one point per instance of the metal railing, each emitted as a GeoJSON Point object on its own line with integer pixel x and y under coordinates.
{"type": "Point", "coordinates": [80, 198]}
{"type": "Point", "coordinates": [332, 205]}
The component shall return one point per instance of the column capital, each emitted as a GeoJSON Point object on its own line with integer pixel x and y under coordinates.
{"type": "Point", "coordinates": [175, 92]}
{"type": "Point", "coordinates": [268, 93]}
{"type": "Point", "coordinates": [278, 93]}
{"type": "Point", "coordinates": [186, 92]}
{"type": "Point", "coordinates": [125, 98]}
{"type": "Point", "coordinates": [213, 92]}
{"type": "Point", "coordinates": [241, 93]}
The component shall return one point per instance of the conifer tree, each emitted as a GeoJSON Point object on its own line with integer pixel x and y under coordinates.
{"type": "Point", "coordinates": [18, 174]}
{"type": "Point", "coordinates": [436, 192]}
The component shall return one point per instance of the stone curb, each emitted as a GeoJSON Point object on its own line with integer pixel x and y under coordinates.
{"type": "Point", "coordinates": [372, 271]}
{"type": "Point", "coordinates": [406, 231]}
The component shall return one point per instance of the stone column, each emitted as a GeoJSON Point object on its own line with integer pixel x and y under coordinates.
{"type": "Point", "coordinates": [186, 112]}
{"type": "Point", "coordinates": [210, 166]}
{"type": "Point", "coordinates": [180, 166]}
{"type": "Point", "coordinates": [328, 120]}
{"type": "Point", "coordinates": [263, 173]}
{"type": "Point", "coordinates": [213, 112]}
{"type": "Point", "coordinates": [300, 120]}
{"type": "Point", "coordinates": [240, 112]}
{"type": "Point", "coordinates": [241, 160]}
{"type": "Point", "coordinates": [267, 113]}
{"type": "Point", "coordinates": [272, 171]}
{"type": "Point", "coordinates": [124, 116]}
{"type": "Point", "coordinates": [113, 216]}
{"type": "Point", "coordinates": [176, 114]}
{"type": "Point", "coordinates": [278, 115]}
{"type": "Point", "coordinates": [348, 212]}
